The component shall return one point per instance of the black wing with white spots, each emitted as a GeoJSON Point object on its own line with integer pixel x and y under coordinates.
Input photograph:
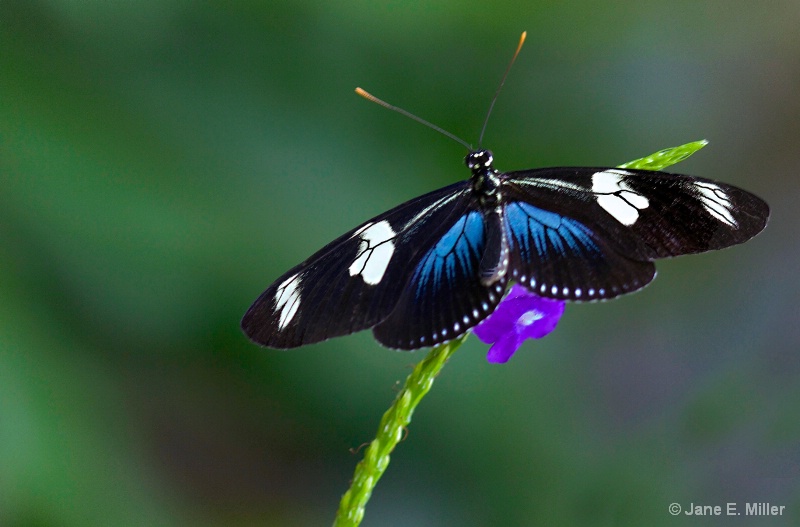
{"type": "Point", "coordinates": [354, 282]}
{"type": "Point", "coordinates": [592, 233]}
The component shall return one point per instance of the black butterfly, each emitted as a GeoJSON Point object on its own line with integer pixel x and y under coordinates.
{"type": "Point", "coordinates": [430, 269]}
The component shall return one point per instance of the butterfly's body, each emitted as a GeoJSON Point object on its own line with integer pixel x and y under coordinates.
{"type": "Point", "coordinates": [430, 269]}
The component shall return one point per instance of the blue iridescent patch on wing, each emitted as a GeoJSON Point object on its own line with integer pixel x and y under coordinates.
{"type": "Point", "coordinates": [532, 228]}
{"type": "Point", "coordinates": [456, 254]}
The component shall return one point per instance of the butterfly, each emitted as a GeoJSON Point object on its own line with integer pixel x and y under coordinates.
{"type": "Point", "coordinates": [428, 270]}
{"type": "Point", "coordinates": [432, 268]}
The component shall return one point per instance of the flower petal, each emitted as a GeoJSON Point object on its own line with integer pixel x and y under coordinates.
{"type": "Point", "coordinates": [501, 321]}
{"type": "Point", "coordinates": [520, 315]}
{"type": "Point", "coordinates": [503, 349]}
{"type": "Point", "coordinates": [548, 313]}
{"type": "Point", "coordinates": [517, 291]}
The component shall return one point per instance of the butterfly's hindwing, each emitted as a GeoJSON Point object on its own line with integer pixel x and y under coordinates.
{"type": "Point", "coordinates": [445, 295]}
{"type": "Point", "coordinates": [557, 256]}
{"type": "Point", "coordinates": [353, 282]}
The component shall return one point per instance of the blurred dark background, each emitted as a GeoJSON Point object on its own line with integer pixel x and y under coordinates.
{"type": "Point", "coordinates": [162, 162]}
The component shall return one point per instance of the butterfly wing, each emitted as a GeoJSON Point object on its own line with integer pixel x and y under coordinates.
{"type": "Point", "coordinates": [592, 233]}
{"type": "Point", "coordinates": [447, 293]}
{"type": "Point", "coordinates": [355, 281]}
{"type": "Point", "coordinates": [558, 256]}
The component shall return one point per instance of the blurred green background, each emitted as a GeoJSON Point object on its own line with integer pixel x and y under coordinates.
{"type": "Point", "coordinates": [161, 162]}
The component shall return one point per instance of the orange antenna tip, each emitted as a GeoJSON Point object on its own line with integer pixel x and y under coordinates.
{"type": "Point", "coordinates": [521, 40]}
{"type": "Point", "coordinates": [500, 87]}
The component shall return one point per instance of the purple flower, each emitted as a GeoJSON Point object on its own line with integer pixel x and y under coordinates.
{"type": "Point", "coordinates": [520, 315]}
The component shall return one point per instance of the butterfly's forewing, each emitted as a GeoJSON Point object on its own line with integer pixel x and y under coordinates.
{"type": "Point", "coordinates": [591, 233]}
{"type": "Point", "coordinates": [355, 281]}
{"type": "Point", "coordinates": [688, 215]}
{"type": "Point", "coordinates": [446, 294]}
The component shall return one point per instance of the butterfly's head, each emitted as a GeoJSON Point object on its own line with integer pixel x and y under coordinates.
{"type": "Point", "coordinates": [479, 160]}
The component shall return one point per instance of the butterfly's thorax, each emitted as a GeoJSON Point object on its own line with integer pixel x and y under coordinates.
{"type": "Point", "coordinates": [485, 178]}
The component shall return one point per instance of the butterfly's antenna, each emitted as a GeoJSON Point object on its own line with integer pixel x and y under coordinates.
{"type": "Point", "coordinates": [368, 96]}
{"type": "Point", "coordinates": [502, 81]}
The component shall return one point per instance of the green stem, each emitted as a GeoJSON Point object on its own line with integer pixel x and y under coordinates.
{"type": "Point", "coordinates": [390, 431]}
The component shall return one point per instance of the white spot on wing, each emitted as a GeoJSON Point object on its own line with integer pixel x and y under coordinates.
{"type": "Point", "coordinates": [287, 300]}
{"type": "Point", "coordinates": [375, 252]}
{"type": "Point", "coordinates": [716, 202]}
{"type": "Point", "coordinates": [616, 197]}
